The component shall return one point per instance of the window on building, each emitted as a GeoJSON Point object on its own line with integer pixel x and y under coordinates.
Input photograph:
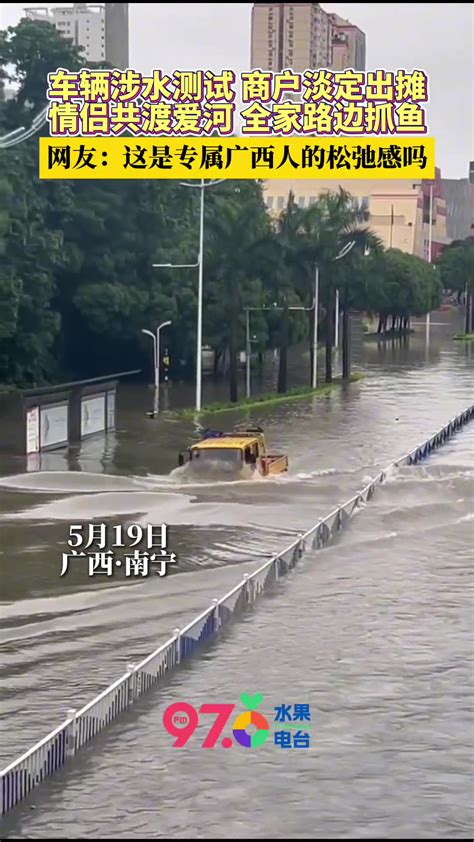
{"type": "Point", "coordinates": [269, 202]}
{"type": "Point", "coordinates": [301, 201]}
{"type": "Point", "coordinates": [280, 202]}
{"type": "Point", "coordinates": [313, 200]}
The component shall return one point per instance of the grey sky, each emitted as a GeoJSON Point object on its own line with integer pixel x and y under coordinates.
{"type": "Point", "coordinates": [435, 37]}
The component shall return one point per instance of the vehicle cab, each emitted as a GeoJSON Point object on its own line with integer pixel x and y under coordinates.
{"type": "Point", "coordinates": [237, 451]}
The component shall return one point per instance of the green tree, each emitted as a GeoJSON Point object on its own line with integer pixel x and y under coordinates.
{"type": "Point", "coordinates": [28, 52]}
{"type": "Point", "coordinates": [234, 265]}
{"type": "Point", "coordinates": [331, 224]}
{"type": "Point", "coordinates": [289, 254]}
{"type": "Point", "coordinates": [31, 251]}
{"type": "Point", "coordinates": [399, 285]}
{"type": "Point", "coordinates": [456, 266]}
{"type": "Point", "coordinates": [78, 284]}
{"type": "Point", "coordinates": [348, 278]}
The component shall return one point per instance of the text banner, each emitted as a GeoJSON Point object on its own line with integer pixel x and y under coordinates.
{"type": "Point", "coordinates": [236, 158]}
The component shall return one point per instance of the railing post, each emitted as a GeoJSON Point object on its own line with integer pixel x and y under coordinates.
{"type": "Point", "coordinates": [65, 741]}
{"type": "Point", "coordinates": [71, 733]}
{"type": "Point", "coordinates": [316, 543]}
{"type": "Point", "coordinates": [131, 684]}
{"type": "Point", "coordinates": [217, 619]}
{"type": "Point", "coordinates": [177, 632]}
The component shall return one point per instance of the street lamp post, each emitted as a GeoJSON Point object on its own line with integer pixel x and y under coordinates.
{"type": "Point", "coordinates": [336, 322]}
{"type": "Point", "coordinates": [21, 134]}
{"type": "Point", "coordinates": [247, 351]}
{"type": "Point", "coordinates": [315, 332]}
{"type": "Point", "coordinates": [200, 265]}
{"type": "Point", "coordinates": [345, 250]}
{"type": "Point", "coordinates": [249, 341]}
{"type": "Point", "coordinates": [175, 265]}
{"type": "Point", "coordinates": [156, 359]}
{"type": "Point", "coordinates": [430, 249]}
{"type": "Point", "coordinates": [200, 296]}
{"type": "Point", "coordinates": [467, 309]}
{"type": "Point", "coordinates": [201, 186]}
{"type": "Point", "coordinates": [166, 266]}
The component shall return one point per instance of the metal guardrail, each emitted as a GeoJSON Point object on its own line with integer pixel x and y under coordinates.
{"type": "Point", "coordinates": [51, 753]}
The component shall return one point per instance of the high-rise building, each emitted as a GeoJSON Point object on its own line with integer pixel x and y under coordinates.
{"type": "Point", "coordinates": [80, 23]}
{"type": "Point", "coordinates": [459, 194]}
{"type": "Point", "coordinates": [347, 44]}
{"type": "Point", "coordinates": [116, 34]}
{"type": "Point", "coordinates": [398, 210]}
{"type": "Point", "coordinates": [303, 36]}
{"type": "Point", "coordinates": [284, 35]}
{"type": "Point", "coordinates": [100, 29]}
{"type": "Point", "coordinates": [471, 182]}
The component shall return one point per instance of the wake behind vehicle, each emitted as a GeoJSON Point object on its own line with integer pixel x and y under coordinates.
{"type": "Point", "coordinates": [242, 451]}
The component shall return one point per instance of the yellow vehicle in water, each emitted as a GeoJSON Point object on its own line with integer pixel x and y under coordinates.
{"type": "Point", "coordinates": [241, 451]}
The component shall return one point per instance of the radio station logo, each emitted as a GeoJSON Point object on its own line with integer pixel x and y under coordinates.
{"type": "Point", "coordinates": [291, 724]}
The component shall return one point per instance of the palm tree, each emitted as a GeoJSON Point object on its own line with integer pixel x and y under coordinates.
{"type": "Point", "coordinates": [289, 243]}
{"type": "Point", "coordinates": [235, 262]}
{"type": "Point", "coordinates": [331, 224]}
{"type": "Point", "coordinates": [349, 278]}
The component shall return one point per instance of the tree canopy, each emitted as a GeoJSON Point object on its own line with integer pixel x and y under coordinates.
{"type": "Point", "coordinates": [77, 282]}
{"type": "Point", "coordinates": [456, 265]}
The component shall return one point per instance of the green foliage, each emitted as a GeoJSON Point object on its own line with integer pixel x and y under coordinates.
{"type": "Point", "coordinates": [398, 284]}
{"type": "Point", "coordinates": [77, 282]}
{"type": "Point", "coordinates": [30, 254]}
{"type": "Point", "coordinates": [464, 337]}
{"type": "Point", "coordinates": [456, 266]}
{"type": "Point", "coordinates": [28, 52]}
{"type": "Point", "coordinates": [264, 400]}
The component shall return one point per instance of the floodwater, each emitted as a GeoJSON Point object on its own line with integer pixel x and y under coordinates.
{"type": "Point", "coordinates": [374, 633]}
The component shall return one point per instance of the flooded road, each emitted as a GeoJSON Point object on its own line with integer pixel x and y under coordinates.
{"type": "Point", "coordinates": [375, 632]}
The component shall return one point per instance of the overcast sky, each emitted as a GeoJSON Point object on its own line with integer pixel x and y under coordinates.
{"type": "Point", "coordinates": [434, 37]}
